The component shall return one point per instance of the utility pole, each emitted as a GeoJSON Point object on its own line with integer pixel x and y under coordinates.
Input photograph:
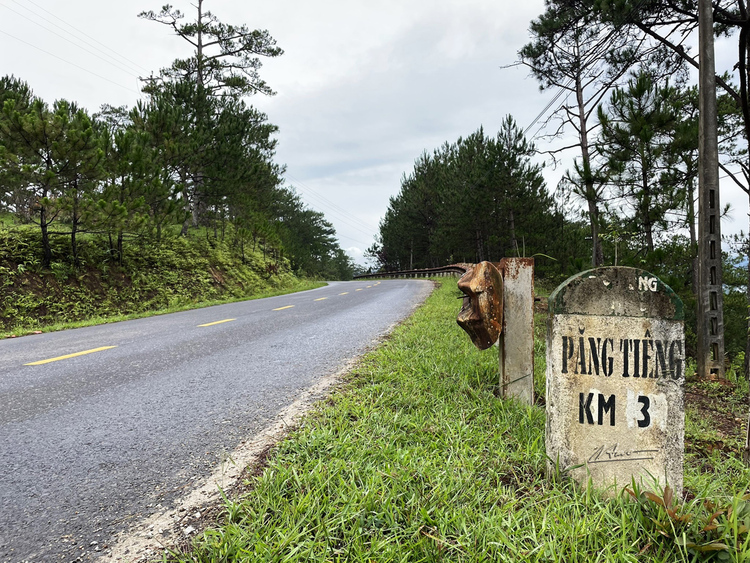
{"type": "Point", "coordinates": [710, 297]}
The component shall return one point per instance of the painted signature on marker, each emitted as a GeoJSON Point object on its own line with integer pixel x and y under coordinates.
{"type": "Point", "coordinates": [608, 454]}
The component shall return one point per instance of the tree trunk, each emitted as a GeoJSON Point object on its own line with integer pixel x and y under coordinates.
{"type": "Point", "coordinates": [744, 74]}
{"type": "Point", "coordinates": [73, 241]}
{"type": "Point", "coordinates": [648, 226]}
{"type": "Point", "coordinates": [747, 332]}
{"type": "Point", "coordinates": [199, 45]}
{"type": "Point", "coordinates": [74, 227]}
{"type": "Point", "coordinates": [590, 194]}
{"type": "Point", "coordinates": [597, 255]}
{"type": "Point", "coordinates": [119, 246]}
{"type": "Point", "coordinates": [480, 251]}
{"type": "Point", "coordinates": [188, 213]}
{"type": "Point", "coordinates": [47, 258]}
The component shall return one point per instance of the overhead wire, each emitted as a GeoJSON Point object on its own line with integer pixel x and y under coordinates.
{"type": "Point", "coordinates": [342, 216]}
{"type": "Point", "coordinates": [593, 53]}
{"type": "Point", "coordinates": [562, 89]}
{"type": "Point", "coordinates": [68, 62]}
{"type": "Point", "coordinates": [560, 92]}
{"type": "Point", "coordinates": [108, 61]}
{"type": "Point", "coordinates": [347, 216]}
{"type": "Point", "coordinates": [329, 202]}
{"type": "Point", "coordinates": [342, 219]}
{"type": "Point", "coordinates": [134, 65]}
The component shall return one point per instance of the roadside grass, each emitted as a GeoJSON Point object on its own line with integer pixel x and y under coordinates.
{"type": "Point", "coordinates": [416, 459]}
{"type": "Point", "coordinates": [175, 274]}
{"type": "Point", "coordinates": [21, 330]}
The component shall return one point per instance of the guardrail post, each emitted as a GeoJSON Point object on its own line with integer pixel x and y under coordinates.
{"type": "Point", "coordinates": [516, 341]}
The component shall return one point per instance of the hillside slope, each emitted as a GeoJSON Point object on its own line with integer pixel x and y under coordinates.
{"type": "Point", "coordinates": [174, 274]}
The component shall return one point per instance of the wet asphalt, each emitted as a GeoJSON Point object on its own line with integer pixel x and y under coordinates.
{"type": "Point", "coordinates": [91, 444]}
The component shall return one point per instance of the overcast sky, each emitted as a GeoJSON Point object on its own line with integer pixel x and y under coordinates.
{"type": "Point", "coordinates": [362, 89]}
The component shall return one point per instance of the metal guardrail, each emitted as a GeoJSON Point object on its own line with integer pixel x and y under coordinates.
{"type": "Point", "coordinates": [451, 270]}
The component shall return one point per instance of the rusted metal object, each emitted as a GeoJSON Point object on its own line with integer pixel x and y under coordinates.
{"type": "Point", "coordinates": [481, 314]}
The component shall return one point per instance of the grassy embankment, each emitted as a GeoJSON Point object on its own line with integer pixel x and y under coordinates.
{"type": "Point", "coordinates": [173, 275]}
{"type": "Point", "coordinates": [415, 459]}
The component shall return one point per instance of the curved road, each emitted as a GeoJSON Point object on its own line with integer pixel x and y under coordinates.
{"type": "Point", "coordinates": [91, 442]}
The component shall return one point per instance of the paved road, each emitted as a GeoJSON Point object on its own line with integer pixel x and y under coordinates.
{"type": "Point", "coordinates": [92, 442]}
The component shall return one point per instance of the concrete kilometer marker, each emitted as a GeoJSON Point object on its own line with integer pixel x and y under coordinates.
{"type": "Point", "coordinates": [615, 380]}
{"type": "Point", "coordinates": [282, 308]}
{"type": "Point", "coordinates": [58, 358]}
{"type": "Point", "coordinates": [218, 322]}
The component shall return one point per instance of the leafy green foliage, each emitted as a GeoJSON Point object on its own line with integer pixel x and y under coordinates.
{"type": "Point", "coordinates": [226, 57]}
{"type": "Point", "coordinates": [705, 532]}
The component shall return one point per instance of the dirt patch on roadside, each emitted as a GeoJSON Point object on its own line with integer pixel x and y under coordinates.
{"type": "Point", "coordinates": [717, 402]}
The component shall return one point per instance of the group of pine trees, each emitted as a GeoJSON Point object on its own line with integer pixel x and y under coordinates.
{"type": "Point", "coordinates": [624, 112]}
{"type": "Point", "coordinates": [191, 153]}
{"type": "Point", "coordinates": [480, 198]}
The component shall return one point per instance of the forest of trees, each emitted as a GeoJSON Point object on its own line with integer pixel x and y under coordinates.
{"type": "Point", "coordinates": [192, 154]}
{"type": "Point", "coordinates": [627, 121]}
{"type": "Point", "coordinates": [479, 198]}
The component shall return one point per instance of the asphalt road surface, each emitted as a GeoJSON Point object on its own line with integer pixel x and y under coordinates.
{"type": "Point", "coordinates": [98, 425]}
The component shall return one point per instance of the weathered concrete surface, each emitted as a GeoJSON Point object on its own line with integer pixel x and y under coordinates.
{"type": "Point", "coordinates": [615, 379]}
{"type": "Point", "coordinates": [517, 342]}
{"type": "Point", "coordinates": [481, 314]}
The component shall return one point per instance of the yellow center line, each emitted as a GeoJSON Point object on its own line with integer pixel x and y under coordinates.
{"type": "Point", "coordinates": [345, 293]}
{"type": "Point", "coordinates": [282, 308]}
{"type": "Point", "coordinates": [218, 322]}
{"type": "Point", "coordinates": [322, 299]}
{"type": "Point", "coordinates": [360, 289]}
{"type": "Point", "coordinates": [58, 358]}
{"type": "Point", "coordinates": [369, 286]}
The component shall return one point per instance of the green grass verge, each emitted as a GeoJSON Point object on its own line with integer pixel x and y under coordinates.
{"type": "Point", "coordinates": [175, 274]}
{"type": "Point", "coordinates": [301, 285]}
{"type": "Point", "coordinates": [416, 459]}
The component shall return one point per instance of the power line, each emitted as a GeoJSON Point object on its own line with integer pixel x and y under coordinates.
{"type": "Point", "coordinates": [342, 216]}
{"type": "Point", "coordinates": [68, 62]}
{"type": "Point", "coordinates": [594, 52]}
{"type": "Point", "coordinates": [108, 61]}
{"type": "Point", "coordinates": [343, 220]}
{"type": "Point", "coordinates": [560, 92]}
{"type": "Point", "coordinates": [328, 202]}
{"type": "Point", "coordinates": [338, 234]}
{"type": "Point", "coordinates": [353, 240]}
{"type": "Point", "coordinates": [133, 64]}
